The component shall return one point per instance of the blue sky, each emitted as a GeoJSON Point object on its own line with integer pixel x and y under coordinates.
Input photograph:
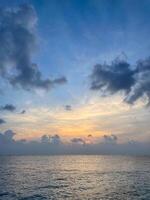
{"type": "Point", "coordinates": [72, 37]}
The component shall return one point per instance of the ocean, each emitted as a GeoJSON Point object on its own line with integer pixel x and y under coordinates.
{"type": "Point", "coordinates": [76, 177]}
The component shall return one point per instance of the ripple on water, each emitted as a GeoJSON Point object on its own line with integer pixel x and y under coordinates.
{"type": "Point", "coordinates": [75, 177]}
{"type": "Point", "coordinates": [33, 197]}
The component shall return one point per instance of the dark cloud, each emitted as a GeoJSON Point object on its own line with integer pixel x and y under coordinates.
{"type": "Point", "coordinates": [89, 136]}
{"type": "Point", "coordinates": [133, 81]}
{"type": "Point", "coordinates": [60, 80]}
{"type": "Point", "coordinates": [110, 139]}
{"type": "Point", "coordinates": [142, 83]}
{"type": "Point", "coordinates": [45, 139]}
{"type": "Point", "coordinates": [23, 112]}
{"type": "Point", "coordinates": [7, 137]}
{"type": "Point", "coordinates": [55, 139]}
{"type": "Point", "coordinates": [78, 141]}
{"type": "Point", "coordinates": [53, 145]}
{"type": "Point", "coordinates": [8, 107]}
{"type": "Point", "coordinates": [18, 43]}
{"type": "Point", "coordinates": [68, 107]}
{"type": "Point", "coordinates": [112, 78]}
{"type": "Point", "coordinates": [2, 121]}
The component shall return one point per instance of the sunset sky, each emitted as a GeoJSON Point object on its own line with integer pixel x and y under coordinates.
{"type": "Point", "coordinates": [78, 68]}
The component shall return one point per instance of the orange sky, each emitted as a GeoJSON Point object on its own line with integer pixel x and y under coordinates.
{"type": "Point", "coordinates": [96, 117]}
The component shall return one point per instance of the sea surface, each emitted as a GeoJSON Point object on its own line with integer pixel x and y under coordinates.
{"type": "Point", "coordinates": [74, 177]}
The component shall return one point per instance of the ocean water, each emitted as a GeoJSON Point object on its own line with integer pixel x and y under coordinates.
{"type": "Point", "coordinates": [74, 177]}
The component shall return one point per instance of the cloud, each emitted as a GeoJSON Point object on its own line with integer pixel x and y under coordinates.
{"type": "Point", "coordinates": [18, 41]}
{"type": "Point", "coordinates": [55, 139]}
{"type": "Point", "coordinates": [68, 108]}
{"type": "Point", "coordinates": [120, 76]}
{"type": "Point", "coordinates": [54, 145]}
{"type": "Point", "coordinates": [110, 139]}
{"type": "Point", "coordinates": [112, 78]}
{"type": "Point", "coordinates": [78, 141]}
{"type": "Point", "coordinates": [7, 137]}
{"type": "Point", "coordinates": [8, 107]}
{"type": "Point", "coordinates": [23, 112]}
{"type": "Point", "coordinates": [89, 136]}
{"type": "Point", "coordinates": [45, 139]}
{"type": "Point", "coordinates": [60, 80]}
{"type": "Point", "coordinates": [142, 83]}
{"type": "Point", "coordinates": [2, 121]}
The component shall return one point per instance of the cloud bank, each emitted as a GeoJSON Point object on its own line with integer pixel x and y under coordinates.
{"type": "Point", "coordinates": [120, 76]}
{"type": "Point", "coordinates": [49, 145]}
{"type": "Point", "coordinates": [18, 43]}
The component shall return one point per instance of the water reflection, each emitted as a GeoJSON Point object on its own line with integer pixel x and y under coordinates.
{"type": "Point", "coordinates": [74, 177]}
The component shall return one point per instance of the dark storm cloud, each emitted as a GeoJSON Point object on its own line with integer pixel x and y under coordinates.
{"type": "Point", "coordinates": [133, 81]}
{"type": "Point", "coordinates": [8, 107]}
{"type": "Point", "coordinates": [68, 108]}
{"type": "Point", "coordinates": [18, 43]}
{"type": "Point", "coordinates": [2, 121]}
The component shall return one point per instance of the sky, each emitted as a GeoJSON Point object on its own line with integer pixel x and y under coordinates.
{"type": "Point", "coordinates": [78, 69]}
